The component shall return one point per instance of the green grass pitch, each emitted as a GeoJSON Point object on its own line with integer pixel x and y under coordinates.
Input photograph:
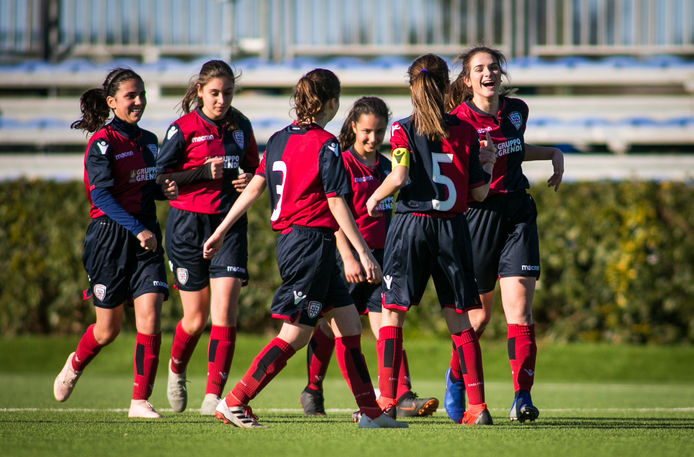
{"type": "Point", "coordinates": [595, 400]}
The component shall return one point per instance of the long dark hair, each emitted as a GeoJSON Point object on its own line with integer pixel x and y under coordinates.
{"type": "Point", "coordinates": [363, 106]}
{"type": "Point", "coordinates": [459, 92]}
{"type": "Point", "coordinates": [210, 70]}
{"type": "Point", "coordinates": [95, 110]}
{"type": "Point", "coordinates": [312, 92]}
{"type": "Point", "coordinates": [429, 83]}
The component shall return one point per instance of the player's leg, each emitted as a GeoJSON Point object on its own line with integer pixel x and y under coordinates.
{"type": "Point", "coordinates": [101, 333]}
{"type": "Point", "coordinates": [389, 347]}
{"type": "Point", "coordinates": [225, 293]}
{"type": "Point", "coordinates": [234, 409]}
{"type": "Point", "coordinates": [319, 351]}
{"type": "Point", "coordinates": [146, 356]}
{"type": "Point", "coordinates": [516, 296]}
{"type": "Point", "coordinates": [196, 305]}
{"type": "Point", "coordinates": [469, 352]}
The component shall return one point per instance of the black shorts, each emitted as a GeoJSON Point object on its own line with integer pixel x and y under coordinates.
{"type": "Point", "coordinates": [367, 296]}
{"type": "Point", "coordinates": [503, 229]}
{"type": "Point", "coordinates": [419, 246]}
{"type": "Point", "coordinates": [118, 267]}
{"type": "Point", "coordinates": [186, 232]}
{"type": "Point", "coordinates": [312, 281]}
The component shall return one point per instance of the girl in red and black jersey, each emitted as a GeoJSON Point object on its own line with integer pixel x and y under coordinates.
{"type": "Point", "coordinates": [122, 253]}
{"type": "Point", "coordinates": [304, 173]}
{"type": "Point", "coordinates": [211, 153]}
{"type": "Point", "coordinates": [436, 164]}
{"type": "Point", "coordinates": [503, 227]}
{"type": "Point", "coordinates": [360, 138]}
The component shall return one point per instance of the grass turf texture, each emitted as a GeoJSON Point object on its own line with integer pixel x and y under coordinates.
{"type": "Point", "coordinates": [598, 400]}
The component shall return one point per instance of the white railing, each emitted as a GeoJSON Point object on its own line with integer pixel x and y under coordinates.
{"type": "Point", "coordinates": [281, 30]}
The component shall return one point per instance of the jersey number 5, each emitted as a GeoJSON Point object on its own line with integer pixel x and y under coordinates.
{"type": "Point", "coordinates": [279, 188]}
{"type": "Point", "coordinates": [436, 160]}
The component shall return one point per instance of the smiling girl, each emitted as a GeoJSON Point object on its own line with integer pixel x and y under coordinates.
{"type": "Point", "coordinates": [122, 254]}
{"type": "Point", "coordinates": [211, 152]}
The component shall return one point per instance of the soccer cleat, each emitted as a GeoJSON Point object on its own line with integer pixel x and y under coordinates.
{"type": "Point", "coordinates": [209, 404]}
{"type": "Point", "coordinates": [239, 416]}
{"type": "Point", "coordinates": [176, 391]}
{"type": "Point", "coordinates": [143, 409]}
{"type": "Point", "coordinates": [477, 415]}
{"type": "Point", "coordinates": [66, 380]}
{"type": "Point", "coordinates": [454, 398]}
{"type": "Point", "coordinates": [312, 402]}
{"type": "Point", "coordinates": [410, 405]}
{"type": "Point", "coordinates": [522, 408]}
{"type": "Point", "coordinates": [382, 421]}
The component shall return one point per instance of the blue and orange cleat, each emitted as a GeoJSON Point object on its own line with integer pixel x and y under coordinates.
{"type": "Point", "coordinates": [454, 399]}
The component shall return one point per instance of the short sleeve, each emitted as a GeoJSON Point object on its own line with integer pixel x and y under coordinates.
{"type": "Point", "coordinates": [332, 170]}
{"type": "Point", "coordinates": [99, 164]}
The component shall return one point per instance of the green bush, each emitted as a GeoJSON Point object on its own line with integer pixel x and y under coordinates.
{"type": "Point", "coordinates": [617, 264]}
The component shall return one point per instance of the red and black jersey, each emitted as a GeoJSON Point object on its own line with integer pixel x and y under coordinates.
{"type": "Point", "coordinates": [506, 129]}
{"type": "Point", "coordinates": [121, 158]}
{"type": "Point", "coordinates": [441, 172]}
{"type": "Point", "coordinates": [303, 167]}
{"type": "Point", "coordinates": [364, 180]}
{"type": "Point", "coordinates": [193, 139]}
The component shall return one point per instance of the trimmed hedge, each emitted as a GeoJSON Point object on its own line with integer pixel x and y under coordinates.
{"type": "Point", "coordinates": [617, 264]}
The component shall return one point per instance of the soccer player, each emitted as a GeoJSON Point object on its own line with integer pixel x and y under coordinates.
{"type": "Point", "coordinates": [122, 249]}
{"type": "Point", "coordinates": [503, 227]}
{"type": "Point", "coordinates": [436, 163]}
{"type": "Point", "coordinates": [303, 171]}
{"type": "Point", "coordinates": [212, 154]}
{"type": "Point", "coordinates": [360, 138]}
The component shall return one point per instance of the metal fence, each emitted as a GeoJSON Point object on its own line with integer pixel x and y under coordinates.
{"type": "Point", "coordinates": [284, 29]}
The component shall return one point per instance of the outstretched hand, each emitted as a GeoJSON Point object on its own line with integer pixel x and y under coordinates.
{"type": "Point", "coordinates": [558, 166]}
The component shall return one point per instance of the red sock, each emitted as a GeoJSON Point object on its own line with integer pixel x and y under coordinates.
{"type": "Point", "coordinates": [146, 361]}
{"type": "Point", "coordinates": [389, 360]}
{"type": "Point", "coordinates": [522, 352]}
{"type": "Point", "coordinates": [220, 352]}
{"type": "Point", "coordinates": [470, 355]}
{"type": "Point", "coordinates": [86, 350]}
{"type": "Point", "coordinates": [456, 369]}
{"type": "Point", "coordinates": [320, 350]}
{"type": "Point", "coordinates": [182, 349]}
{"type": "Point", "coordinates": [263, 369]}
{"type": "Point", "coordinates": [404, 384]}
{"type": "Point", "coordinates": [353, 367]}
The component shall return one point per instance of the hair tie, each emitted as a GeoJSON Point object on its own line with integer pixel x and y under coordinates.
{"type": "Point", "coordinates": [424, 70]}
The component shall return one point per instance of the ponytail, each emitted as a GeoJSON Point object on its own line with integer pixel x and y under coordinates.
{"type": "Point", "coordinates": [428, 86]}
{"type": "Point", "coordinates": [312, 93]}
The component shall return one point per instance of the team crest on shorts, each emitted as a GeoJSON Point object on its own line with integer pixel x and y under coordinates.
{"type": "Point", "coordinates": [238, 137]}
{"type": "Point", "coordinates": [100, 291]}
{"type": "Point", "coordinates": [182, 275]}
{"type": "Point", "coordinates": [313, 309]}
{"type": "Point", "coordinates": [516, 119]}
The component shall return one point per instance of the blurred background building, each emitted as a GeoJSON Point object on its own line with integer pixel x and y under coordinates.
{"type": "Point", "coordinates": [607, 76]}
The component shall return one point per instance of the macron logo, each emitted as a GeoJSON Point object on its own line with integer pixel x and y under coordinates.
{"type": "Point", "coordinates": [388, 280]}
{"type": "Point", "coordinates": [298, 296]}
{"type": "Point", "coordinates": [529, 372]}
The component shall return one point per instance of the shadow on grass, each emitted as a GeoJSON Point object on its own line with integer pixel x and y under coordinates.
{"type": "Point", "coordinates": [612, 423]}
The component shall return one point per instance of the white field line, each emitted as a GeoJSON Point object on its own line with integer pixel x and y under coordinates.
{"type": "Point", "coordinates": [337, 410]}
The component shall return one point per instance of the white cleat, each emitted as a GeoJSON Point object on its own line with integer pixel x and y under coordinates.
{"type": "Point", "coordinates": [382, 421]}
{"type": "Point", "coordinates": [144, 409]}
{"type": "Point", "coordinates": [238, 416]}
{"type": "Point", "coordinates": [66, 380]}
{"type": "Point", "coordinates": [176, 390]}
{"type": "Point", "coordinates": [209, 404]}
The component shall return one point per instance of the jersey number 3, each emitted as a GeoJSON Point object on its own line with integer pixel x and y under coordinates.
{"type": "Point", "coordinates": [279, 188]}
{"type": "Point", "coordinates": [436, 160]}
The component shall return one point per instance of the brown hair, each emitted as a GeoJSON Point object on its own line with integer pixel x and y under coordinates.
{"type": "Point", "coordinates": [363, 106]}
{"type": "Point", "coordinates": [93, 104]}
{"type": "Point", "coordinates": [210, 70]}
{"type": "Point", "coordinates": [459, 92]}
{"type": "Point", "coordinates": [428, 86]}
{"type": "Point", "coordinates": [312, 92]}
